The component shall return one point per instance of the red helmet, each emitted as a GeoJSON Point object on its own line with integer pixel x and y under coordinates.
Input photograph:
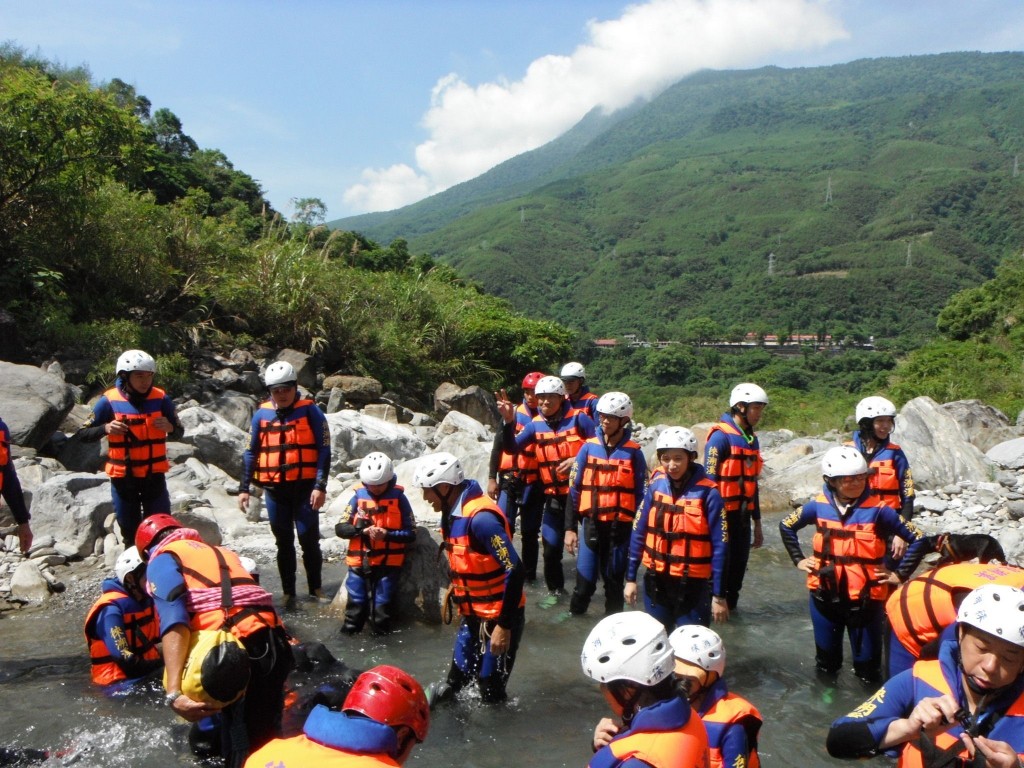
{"type": "Point", "coordinates": [150, 528]}
{"type": "Point", "coordinates": [390, 696]}
{"type": "Point", "coordinates": [530, 380]}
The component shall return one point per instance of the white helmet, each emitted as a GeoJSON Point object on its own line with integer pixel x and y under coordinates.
{"type": "Point", "coordinates": [550, 385]}
{"type": "Point", "coordinates": [127, 562]}
{"type": "Point", "coordinates": [627, 646]}
{"type": "Point", "coordinates": [573, 371]}
{"type": "Point", "coordinates": [250, 565]}
{"type": "Point", "coordinates": [873, 407]}
{"type": "Point", "coordinates": [438, 468]}
{"type": "Point", "coordinates": [135, 360]}
{"type": "Point", "coordinates": [997, 609]}
{"type": "Point", "coordinates": [279, 373]}
{"type": "Point", "coordinates": [699, 645]}
{"type": "Point", "coordinates": [376, 469]}
{"type": "Point", "coordinates": [747, 393]}
{"type": "Point", "coordinates": [844, 461]}
{"type": "Point", "coordinates": [676, 437]}
{"type": "Point", "coordinates": [615, 404]}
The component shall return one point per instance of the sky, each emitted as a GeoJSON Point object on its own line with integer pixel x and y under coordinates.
{"type": "Point", "coordinates": [371, 105]}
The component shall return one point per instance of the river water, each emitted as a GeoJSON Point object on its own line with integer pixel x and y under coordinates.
{"type": "Point", "coordinates": [46, 699]}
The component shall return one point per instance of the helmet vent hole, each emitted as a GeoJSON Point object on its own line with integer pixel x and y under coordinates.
{"type": "Point", "coordinates": [629, 641]}
{"type": "Point", "coordinates": [604, 659]}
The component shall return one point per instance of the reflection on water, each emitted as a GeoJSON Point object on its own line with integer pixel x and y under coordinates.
{"type": "Point", "coordinates": [48, 702]}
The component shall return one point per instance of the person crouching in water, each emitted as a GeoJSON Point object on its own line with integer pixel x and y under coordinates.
{"type": "Point", "coordinates": [605, 485]}
{"type": "Point", "coordinates": [965, 708]}
{"type": "Point", "coordinates": [487, 576]}
{"type": "Point", "coordinates": [121, 628]}
{"type": "Point", "coordinates": [731, 721]}
{"type": "Point", "coordinates": [846, 576]}
{"type": "Point", "coordinates": [379, 524]}
{"type": "Point", "coordinates": [680, 537]}
{"type": "Point", "coordinates": [382, 718]}
{"type": "Point", "coordinates": [630, 656]}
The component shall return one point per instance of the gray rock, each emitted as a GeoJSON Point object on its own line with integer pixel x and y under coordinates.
{"type": "Point", "coordinates": [936, 447]}
{"type": "Point", "coordinates": [357, 390]}
{"type": "Point", "coordinates": [930, 504]}
{"type": "Point", "coordinates": [473, 401]}
{"type": "Point", "coordinates": [305, 368]}
{"type": "Point", "coordinates": [336, 400]}
{"type": "Point", "coordinates": [982, 424]}
{"type": "Point", "coordinates": [455, 421]}
{"type": "Point", "coordinates": [28, 584]}
{"type": "Point", "coordinates": [71, 509]}
{"type": "Point", "coordinates": [354, 434]}
{"type": "Point", "coordinates": [1008, 454]}
{"type": "Point", "coordinates": [217, 441]}
{"type": "Point", "coordinates": [236, 408]}
{"type": "Point", "coordinates": [33, 403]}
{"type": "Point", "coordinates": [382, 411]}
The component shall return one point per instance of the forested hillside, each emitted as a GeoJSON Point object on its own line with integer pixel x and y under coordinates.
{"type": "Point", "coordinates": [117, 230]}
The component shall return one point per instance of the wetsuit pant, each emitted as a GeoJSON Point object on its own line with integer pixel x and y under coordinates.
{"type": "Point", "coordinates": [604, 550]}
{"type": "Point", "coordinates": [472, 658]}
{"type": "Point", "coordinates": [675, 601]}
{"type": "Point", "coordinates": [136, 498]}
{"type": "Point", "coordinates": [900, 659]}
{"type": "Point", "coordinates": [528, 507]}
{"type": "Point", "coordinates": [863, 622]}
{"type": "Point", "coordinates": [256, 718]}
{"type": "Point", "coordinates": [289, 511]}
{"type": "Point", "coordinates": [370, 587]}
{"type": "Point", "coordinates": [553, 535]}
{"type": "Point", "coordinates": [740, 536]}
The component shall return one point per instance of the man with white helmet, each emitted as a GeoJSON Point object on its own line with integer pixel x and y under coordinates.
{"type": "Point", "coordinates": [846, 574]}
{"type": "Point", "coordinates": [556, 434]}
{"type": "Point", "coordinates": [888, 468]}
{"type": "Point", "coordinates": [121, 628]}
{"type": "Point", "coordinates": [732, 458]}
{"type": "Point", "coordinates": [630, 656]}
{"type": "Point", "coordinates": [487, 576]}
{"type": "Point", "coordinates": [605, 486]}
{"type": "Point", "coordinates": [965, 708]}
{"type": "Point", "coordinates": [574, 377]}
{"type": "Point", "coordinates": [289, 456]}
{"type": "Point", "coordinates": [731, 721]}
{"type": "Point", "coordinates": [136, 418]}
{"type": "Point", "coordinates": [379, 524]}
{"type": "Point", "coordinates": [679, 536]}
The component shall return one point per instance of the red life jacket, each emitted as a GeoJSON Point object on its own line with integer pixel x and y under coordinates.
{"type": "Point", "coordinates": [144, 448]}
{"type": "Point", "coordinates": [678, 539]}
{"type": "Point", "coordinates": [289, 450]}
{"type": "Point", "coordinates": [854, 549]}
{"type": "Point", "coordinates": [478, 578]}
{"type": "Point", "coordinates": [738, 473]}
{"type": "Point", "coordinates": [141, 634]}
{"type": "Point", "coordinates": [382, 512]}
{"type": "Point", "coordinates": [608, 489]}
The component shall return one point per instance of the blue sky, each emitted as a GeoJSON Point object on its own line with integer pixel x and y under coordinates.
{"type": "Point", "coordinates": [373, 105]}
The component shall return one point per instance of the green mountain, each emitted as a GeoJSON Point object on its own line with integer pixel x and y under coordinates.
{"type": "Point", "coordinates": [850, 199]}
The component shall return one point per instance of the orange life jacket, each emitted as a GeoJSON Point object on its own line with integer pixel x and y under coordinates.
{"type": "Point", "coordinates": [854, 549]}
{"type": "Point", "coordinates": [552, 449]}
{"type": "Point", "coordinates": [728, 710]}
{"type": "Point", "coordinates": [678, 540]}
{"type": "Point", "coordinates": [478, 579]}
{"type": "Point", "coordinates": [608, 489]}
{"type": "Point", "coordinates": [5, 456]}
{"type": "Point", "coordinates": [144, 449]}
{"type": "Point", "coordinates": [525, 462]}
{"type": "Point", "coordinates": [302, 752]}
{"type": "Point", "coordinates": [200, 569]}
{"type": "Point", "coordinates": [289, 450]}
{"type": "Point", "coordinates": [919, 610]}
{"type": "Point", "coordinates": [385, 513]}
{"type": "Point", "coordinates": [686, 747]}
{"type": "Point", "coordinates": [738, 473]}
{"type": "Point", "coordinates": [141, 634]}
{"type": "Point", "coordinates": [883, 476]}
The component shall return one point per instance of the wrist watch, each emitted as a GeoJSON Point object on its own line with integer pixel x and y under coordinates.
{"type": "Point", "coordinates": [170, 698]}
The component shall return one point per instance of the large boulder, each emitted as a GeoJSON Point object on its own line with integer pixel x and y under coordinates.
{"type": "Point", "coordinates": [72, 507]}
{"type": "Point", "coordinates": [357, 390]}
{"type": "Point", "coordinates": [235, 407]}
{"type": "Point", "coordinates": [984, 425]}
{"type": "Point", "coordinates": [304, 365]}
{"type": "Point", "coordinates": [1009, 454]}
{"type": "Point", "coordinates": [455, 421]}
{"type": "Point", "coordinates": [33, 403]}
{"type": "Point", "coordinates": [216, 440]}
{"type": "Point", "coordinates": [473, 401]}
{"type": "Point", "coordinates": [938, 450]}
{"type": "Point", "coordinates": [354, 434]}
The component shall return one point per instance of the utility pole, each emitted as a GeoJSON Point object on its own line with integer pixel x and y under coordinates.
{"type": "Point", "coordinates": [522, 215]}
{"type": "Point", "coordinates": [908, 255]}
{"type": "Point", "coordinates": [828, 190]}
{"type": "Point", "coordinates": [771, 264]}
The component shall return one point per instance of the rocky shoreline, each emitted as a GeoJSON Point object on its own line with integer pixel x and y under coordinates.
{"type": "Point", "coordinates": [967, 459]}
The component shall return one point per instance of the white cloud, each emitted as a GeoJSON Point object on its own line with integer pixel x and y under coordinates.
{"type": "Point", "coordinates": [651, 46]}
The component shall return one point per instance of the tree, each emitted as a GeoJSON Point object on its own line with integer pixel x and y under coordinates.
{"type": "Point", "coordinates": [309, 211]}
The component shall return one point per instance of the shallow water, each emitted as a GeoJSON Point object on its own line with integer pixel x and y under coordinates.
{"type": "Point", "coordinates": [48, 702]}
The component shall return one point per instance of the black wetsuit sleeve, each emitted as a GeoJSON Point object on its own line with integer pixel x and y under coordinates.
{"type": "Point", "coordinates": [495, 461]}
{"type": "Point", "coordinates": [850, 740]}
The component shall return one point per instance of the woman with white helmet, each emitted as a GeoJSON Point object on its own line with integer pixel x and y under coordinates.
{"type": "Point", "coordinates": [679, 538]}
{"type": "Point", "coordinates": [574, 377]}
{"type": "Point", "coordinates": [136, 418]}
{"type": "Point", "coordinates": [379, 524]}
{"type": "Point", "coordinates": [605, 486]}
{"type": "Point", "coordinates": [731, 721]}
{"type": "Point", "coordinates": [556, 435]}
{"type": "Point", "coordinates": [888, 468]}
{"type": "Point", "coordinates": [630, 656]}
{"type": "Point", "coordinates": [732, 458]}
{"type": "Point", "coordinates": [846, 574]}
{"type": "Point", "coordinates": [289, 456]}
{"type": "Point", "coordinates": [965, 708]}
